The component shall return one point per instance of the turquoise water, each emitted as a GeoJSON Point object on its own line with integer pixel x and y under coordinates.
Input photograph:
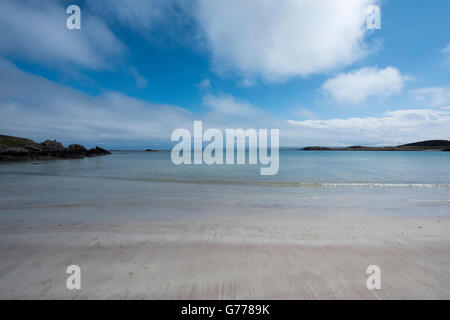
{"type": "Point", "coordinates": [308, 183]}
{"type": "Point", "coordinates": [295, 167]}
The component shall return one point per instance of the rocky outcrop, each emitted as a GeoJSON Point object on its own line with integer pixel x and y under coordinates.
{"type": "Point", "coordinates": [317, 148]}
{"type": "Point", "coordinates": [436, 145]}
{"type": "Point", "coordinates": [19, 149]}
{"type": "Point", "coordinates": [52, 146]}
{"type": "Point", "coordinates": [97, 151]}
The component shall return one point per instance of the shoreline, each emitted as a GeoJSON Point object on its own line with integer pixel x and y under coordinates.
{"type": "Point", "coordinates": [15, 149]}
{"type": "Point", "coordinates": [136, 235]}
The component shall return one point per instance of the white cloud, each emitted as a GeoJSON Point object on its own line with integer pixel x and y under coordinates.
{"type": "Point", "coordinates": [229, 105]}
{"type": "Point", "coordinates": [141, 82]}
{"type": "Point", "coordinates": [304, 113]}
{"type": "Point", "coordinates": [281, 39]}
{"type": "Point", "coordinates": [205, 84]}
{"type": "Point", "coordinates": [269, 38]}
{"type": "Point", "coordinates": [394, 127]}
{"type": "Point", "coordinates": [360, 85]}
{"type": "Point", "coordinates": [138, 15]}
{"type": "Point", "coordinates": [36, 31]}
{"type": "Point", "coordinates": [446, 53]}
{"type": "Point", "coordinates": [247, 82]}
{"type": "Point", "coordinates": [446, 49]}
{"type": "Point", "coordinates": [34, 107]}
{"type": "Point", "coordinates": [432, 96]}
{"type": "Point", "coordinates": [226, 111]}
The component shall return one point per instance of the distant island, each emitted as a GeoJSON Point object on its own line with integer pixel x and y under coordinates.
{"type": "Point", "coordinates": [151, 150]}
{"type": "Point", "coordinates": [19, 149]}
{"type": "Point", "coordinates": [429, 145]}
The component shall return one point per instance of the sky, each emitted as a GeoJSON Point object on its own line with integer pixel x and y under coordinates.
{"type": "Point", "coordinates": [139, 69]}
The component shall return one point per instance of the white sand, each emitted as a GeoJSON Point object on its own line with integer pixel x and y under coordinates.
{"type": "Point", "coordinates": [306, 258]}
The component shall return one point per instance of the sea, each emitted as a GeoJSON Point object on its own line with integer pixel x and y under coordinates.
{"type": "Point", "coordinates": [139, 185]}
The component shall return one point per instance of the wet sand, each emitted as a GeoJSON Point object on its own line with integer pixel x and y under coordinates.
{"type": "Point", "coordinates": [238, 258]}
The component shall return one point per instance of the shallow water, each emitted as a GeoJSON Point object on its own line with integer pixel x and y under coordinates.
{"type": "Point", "coordinates": [308, 183]}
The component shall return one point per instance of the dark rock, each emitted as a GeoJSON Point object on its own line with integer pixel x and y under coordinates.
{"type": "Point", "coordinates": [77, 148]}
{"type": "Point", "coordinates": [34, 147]}
{"type": "Point", "coordinates": [52, 145]}
{"type": "Point", "coordinates": [430, 144]}
{"type": "Point", "coordinates": [315, 148]}
{"type": "Point", "coordinates": [74, 151]}
{"type": "Point", "coordinates": [435, 145]}
{"type": "Point", "coordinates": [97, 151]}
{"type": "Point", "coordinates": [19, 149]}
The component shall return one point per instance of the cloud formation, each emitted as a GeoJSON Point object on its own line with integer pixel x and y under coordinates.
{"type": "Point", "coordinates": [37, 108]}
{"type": "Point", "coordinates": [446, 53]}
{"type": "Point", "coordinates": [392, 128]}
{"type": "Point", "coordinates": [272, 39]}
{"type": "Point", "coordinates": [141, 82]}
{"type": "Point", "coordinates": [32, 106]}
{"type": "Point", "coordinates": [432, 96]}
{"type": "Point", "coordinates": [36, 31]}
{"type": "Point", "coordinates": [281, 39]}
{"type": "Point", "coordinates": [357, 86]}
{"type": "Point", "coordinates": [205, 84]}
{"type": "Point", "coordinates": [229, 105]}
{"type": "Point", "coordinates": [446, 49]}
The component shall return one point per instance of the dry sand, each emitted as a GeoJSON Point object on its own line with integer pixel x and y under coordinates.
{"type": "Point", "coordinates": [307, 258]}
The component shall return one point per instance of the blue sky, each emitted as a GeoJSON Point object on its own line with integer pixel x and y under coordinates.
{"type": "Point", "coordinates": [139, 69]}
